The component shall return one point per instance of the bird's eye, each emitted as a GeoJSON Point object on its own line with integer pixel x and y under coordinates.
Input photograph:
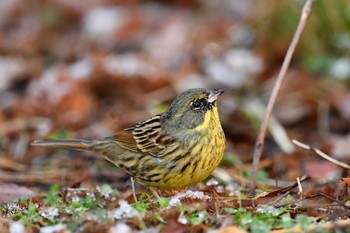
{"type": "Point", "coordinates": [196, 104]}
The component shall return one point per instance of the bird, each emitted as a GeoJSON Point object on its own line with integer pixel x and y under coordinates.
{"type": "Point", "coordinates": [172, 150]}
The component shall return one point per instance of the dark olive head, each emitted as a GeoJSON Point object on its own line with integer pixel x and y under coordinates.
{"type": "Point", "coordinates": [189, 108]}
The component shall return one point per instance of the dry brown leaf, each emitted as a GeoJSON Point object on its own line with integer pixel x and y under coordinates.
{"type": "Point", "coordinates": [10, 192]}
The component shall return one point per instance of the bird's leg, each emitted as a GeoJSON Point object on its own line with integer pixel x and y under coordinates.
{"type": "Point", "coordinates": [133, 189]}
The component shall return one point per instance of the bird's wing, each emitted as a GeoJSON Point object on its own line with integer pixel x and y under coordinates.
{"type": "Point", "coordinates": [145, 136]}
{"type": "Point", "coordinates": [125, 140]}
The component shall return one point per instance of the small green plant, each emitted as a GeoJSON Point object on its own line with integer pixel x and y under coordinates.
{"type": "Point", "coordinates": [81, 207]}
{"type": "Point", "coordinates": [143, 205]}
{"type": "Point", "coordinates": [76, 209]}
{"type": "Point", "coordinates": [51, 197]}
{"type": "Point", "coordinates": [162, 202]}
{"type": "Point", "coordinates": [304, 221]}
{"type": "Point", "coordinates": [89, 202]}
{"type": "Point", "coordinates": [145, 197]}
{"type": "Point", "coordinates": [265, 218]}
{"type": "Point", "coordinates": [157, 217]}
{"type": "Point", "coordinates": [107, 190]}
{"type": "Point", "coordinates": [101, 214]}
{"type": "Point", "coordinates": [286, 200]}
{"type": "Point", "coordinates": [198, 217]}
{"type": "Point", "coordinates": [28, 217]}
{"type": "Point", "coordinates": [286, 221]}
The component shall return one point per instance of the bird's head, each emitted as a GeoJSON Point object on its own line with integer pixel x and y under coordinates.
{"type": "Point", "coordinates": [193, 108]}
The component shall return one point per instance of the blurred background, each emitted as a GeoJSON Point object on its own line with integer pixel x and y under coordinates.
{"type": "Point", "coordinates": [86, 69]}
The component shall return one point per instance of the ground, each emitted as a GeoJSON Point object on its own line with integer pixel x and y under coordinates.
{"type": "Point", "coordinates": [73, 70]}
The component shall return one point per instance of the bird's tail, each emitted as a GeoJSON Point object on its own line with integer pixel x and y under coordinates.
{"type": "Point", "coordinates": [77, 144]}
{"type": "Point", "coordinates": [106, 148]}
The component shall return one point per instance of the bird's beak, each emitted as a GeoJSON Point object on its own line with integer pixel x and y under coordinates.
{"type": "Point", "coordinates": [213, 95]}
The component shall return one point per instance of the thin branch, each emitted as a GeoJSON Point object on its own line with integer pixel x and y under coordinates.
{"type": "Point", "coordinates": [314, 196]}
{"type": "Point", "coordinates": [318, 227]}
{"type": "Point", "coordinates": [321, 154]}
{"type": "Point", "coordinates": [260, 140]}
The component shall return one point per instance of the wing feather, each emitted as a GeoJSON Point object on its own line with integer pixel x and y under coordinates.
{"type": "Point", "coordinates": [146, 136]}
{"type": "Point", "coordinates": [125, 140]}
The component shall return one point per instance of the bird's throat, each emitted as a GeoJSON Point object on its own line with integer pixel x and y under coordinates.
{"type": "Point", "coordinates": [211, 117]}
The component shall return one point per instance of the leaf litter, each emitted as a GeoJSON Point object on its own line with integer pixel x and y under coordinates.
{"type": "Point", "coordinates": [67, 74]}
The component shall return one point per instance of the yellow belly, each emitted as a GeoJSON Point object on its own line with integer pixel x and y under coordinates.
{"type": "Point", "coordinates": [197, 166]}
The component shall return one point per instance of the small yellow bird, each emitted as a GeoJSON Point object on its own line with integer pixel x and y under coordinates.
{"type": "Point", "coordinates": [172, 150]}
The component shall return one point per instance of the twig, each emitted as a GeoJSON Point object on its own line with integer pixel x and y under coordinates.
{"type": "Point", "coordinates": [299, 186]}
{"type": "Point", "coordinates": [260, 140]}
{"type": "Point", "coordinates": [314, 196]}
{"type": "Point", "coordinates": [287, 190]}
{"type": "Point", "coordinates": [279, 134]}
{"type": "Point", "coordinates": [322, 154]}
{"type": "Point", "coordinates": [318, 227]}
